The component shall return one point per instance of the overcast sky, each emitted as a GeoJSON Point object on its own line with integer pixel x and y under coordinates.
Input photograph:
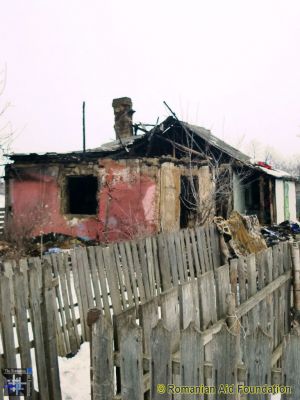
{"type": "Point", "coordinates": [231, 66]}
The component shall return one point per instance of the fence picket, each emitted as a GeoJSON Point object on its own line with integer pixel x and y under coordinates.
{"type": "Point", "coordinates": [164, 263]}
{"type": "Point", "coordinates": [131, 355]}
{"type": "Point", "coordinates": [291, 365]}
{"type": "Point", "coordinates": [37, 327]}
{"type": "Point", "coordinates": [7, 329]}
{"type": "Point", "coordinates": [225, 360]}
{"type": "Point", "coordinates": [161, 363]}
{"type": "Point", "coordinates": [102, 366]}
{"type": "Point", "coordinates": [192, 359]}
{"type": "Point", "coordinates": [47, 313]}
{"type": "Point", "coordinates": [257, 359]}
{"type": "Point", "coordinates": [170, 315]}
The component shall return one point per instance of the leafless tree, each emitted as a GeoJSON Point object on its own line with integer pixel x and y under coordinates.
{"type": "Point", "coordinates": [216, 195]}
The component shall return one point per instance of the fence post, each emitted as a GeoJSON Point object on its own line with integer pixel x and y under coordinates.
{"type": "Point", "coordinates": [161, 362]}
{"type": "Point", "coordinates": [231, 317]}
{"type": "Point", "coordinates": [131, 362]}
{"type": "Point", "coordinates": [296, 281]}
{"type": "Point", "coordinates": [49, 333]}
{"type": "Point", "coordinates": [101, 347]}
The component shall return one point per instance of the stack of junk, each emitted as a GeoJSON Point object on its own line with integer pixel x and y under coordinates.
{"type": "Point", "coordinates": [241, 235]}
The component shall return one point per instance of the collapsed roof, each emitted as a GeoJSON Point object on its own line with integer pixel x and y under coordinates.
{"type": "Point", "coordinates": [170, 138]}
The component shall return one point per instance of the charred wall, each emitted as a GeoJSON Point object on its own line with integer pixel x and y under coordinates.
{"type": "Point", "coordinates": [133, 197]}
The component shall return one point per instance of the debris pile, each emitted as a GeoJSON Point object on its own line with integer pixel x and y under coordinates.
{"type": "Point", "coordinates": [43, 244]}
{"type": "Point", "coordinates": [240, 234]}
{"type": "Point", "coordinates": [287, 230]}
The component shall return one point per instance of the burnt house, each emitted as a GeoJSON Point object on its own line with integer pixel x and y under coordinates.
{"type": "Point", "coordinates": [172, 176]}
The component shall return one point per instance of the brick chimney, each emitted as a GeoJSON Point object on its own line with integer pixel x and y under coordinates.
{"type": "Point", "coordinates": [123, 117]}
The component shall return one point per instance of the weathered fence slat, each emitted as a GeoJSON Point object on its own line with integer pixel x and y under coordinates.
{"type": "Point", "coordinates": [80, 293]}
{"type": "Point", "coordinates": [183, 250]}
{"type": "Point", "coordinates": [179, 257]}
{"type": "Point", "coordinates": [7, 329]}
{"type": "Point", "coordinates": [125, 270]}
{"type": "Point", "coordinates": [150, 265]}
{"type": "Point", "coordinates": [94, 275]}
{"type": "Point", "coordinates": [144, 268]}
{"type": "Point", "coordinates": [161, 363]}
{"type": "Point", "coordinates": [148, 315]}
{"type": "Point", "coordinates": [138, 270]}
{"type": "Point", "coordinates": [202, 250]}
{"type": "Point", "coordinates": [233, 275]}
{"type": "Point", "coordinates": [70, 285]}
{"type": "Point", "coordinates": [257, 359]}
{"type": "Point", "coordinates": [225, 360]}
{"type": "Point", "coordinates": [291, 365]}
{"type": "Point", "coordinates": [102, 366]}
{"type": "Point", "coordinates": [59, 296]}
{"type": "Point", "coordinates": [208, 247]}
{"type": "Point", "coordinates": [132, 273]}
{"type": "Point", "coordinates": [156, 266]}
{"type": "Point", "coordinates": [87, 277]}
{"type": "Point", "coordinates": [131, 356]}
{"type": "Point", "coordinates": [51, 357]}
{"type": "Point", "coordinates": [192, 359]}
{"type": "Point", "coordinates": [164, 263]}
{"type": "Point", "coordinates": [223, 288]}
{"type": "Point", "coordinates": [102, 278]}
{"type": "Point", "coordinates": [21, 319]}
{"type": "Point", "coordinates": [207, 293]}
{"type": "Point", "coordinates": [37, 327]}
{"type": "Point", "coordinates": [188, 247]}
{"type": "Point", "coordinates": [198, 262]}
{"type": "Point", "coordinates": [112, 279]}
{"type": "Point", "coordinates": [242, 280]}
{"type": "Point", "coordinates": [68, 304]}
{"type": "Point", "coordinates": [189, 304]}
{"type": "Point", "coordinates": [170, 315]}
{"type": "Point", "coordinates": [172, 258]}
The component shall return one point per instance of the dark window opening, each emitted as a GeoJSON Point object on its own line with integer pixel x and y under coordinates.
{"type": "Point", "coordinates": [189, 201]}
{"type": "Point", "coordinates": [82, 191]}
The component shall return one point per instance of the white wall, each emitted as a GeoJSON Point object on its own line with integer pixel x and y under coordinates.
{"type": "Point", "coordinates": [292, 201]}
{"type": "Point", "coordinates": [279, 192]}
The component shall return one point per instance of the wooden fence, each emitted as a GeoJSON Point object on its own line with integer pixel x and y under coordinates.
{"type": "Point", "coordinates": [117, 277]}
{"type": "Point", "coordinates": [129, 279]}
{"type": "Point", "coordinates": [160, 341]}
{"type": "Point", "coordinates": [113, 279]}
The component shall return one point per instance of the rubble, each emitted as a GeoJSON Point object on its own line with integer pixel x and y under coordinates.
{"type": "Point", "coordinates": [287, 230]}
{"type": "Point", "coordinates": [241, 234]}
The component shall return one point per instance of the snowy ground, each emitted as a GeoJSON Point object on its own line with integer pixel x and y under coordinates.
{"type": "Point", "coordinates": [75, 375]}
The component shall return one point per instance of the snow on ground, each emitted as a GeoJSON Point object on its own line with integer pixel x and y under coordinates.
{"type": "Point", "coordinates": [75, 375]}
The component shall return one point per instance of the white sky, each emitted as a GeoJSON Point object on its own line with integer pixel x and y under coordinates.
{"type": "Point", "coordinates": [232, 66]}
